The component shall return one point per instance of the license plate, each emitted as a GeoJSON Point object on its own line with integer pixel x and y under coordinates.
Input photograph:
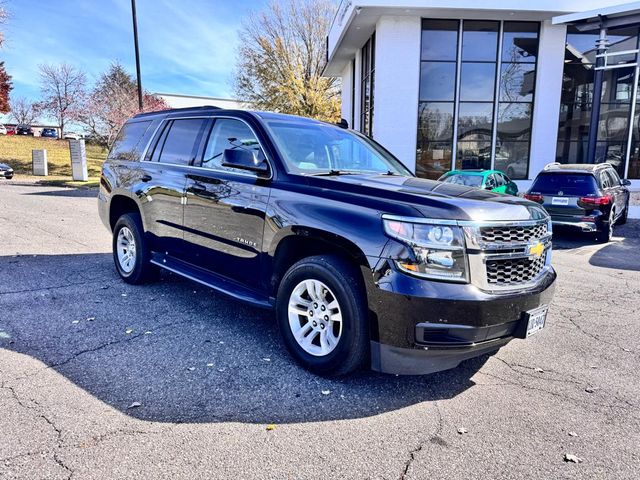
{"type": "Point", "coordinates": [559, 201]}
{"type": "Point", "coordinates": [536, 319]}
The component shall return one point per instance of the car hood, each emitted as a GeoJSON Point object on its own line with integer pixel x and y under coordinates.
{"type": "Point", "coordinates": [434, 199]}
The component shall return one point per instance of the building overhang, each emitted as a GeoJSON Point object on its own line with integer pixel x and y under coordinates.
{"type": "Point", "coordinates": [356, 20]}
{"type": "Point", "coordinates": [611, 17]}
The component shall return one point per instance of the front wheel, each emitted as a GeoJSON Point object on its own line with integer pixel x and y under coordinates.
{"type": "Point", "coordinates": [130, 251]}
{"type": "Point", "coordinates": [322, 315]}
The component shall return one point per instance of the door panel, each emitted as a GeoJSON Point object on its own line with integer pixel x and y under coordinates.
{"type": "Point", "coordinates": [163, 180]}
{"type": "Point", "coordinates": [161, 196]}
{"type": "Point", "coordinates": [226, 207]}
{"type": "Point", "coordinates": [224, 223]}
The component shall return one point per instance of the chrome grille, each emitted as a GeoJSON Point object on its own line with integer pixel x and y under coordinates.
{"type": "Point", "coordinates": [506, 256]}
{"type": "Point", "coordinates": [514, 271]}
{"type": "Point", "coordinates": [513, 234]}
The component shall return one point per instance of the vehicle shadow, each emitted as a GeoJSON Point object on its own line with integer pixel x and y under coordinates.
{"type": "Point", "coordinates": [67, 192]}
{"type": "Point", "coordinates": [619, 254]}
{"type": "Point", "coordinates": [184, 352]}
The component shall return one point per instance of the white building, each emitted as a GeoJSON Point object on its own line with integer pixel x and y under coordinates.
{"type": "Point", "coordinates": [176, 100]}
{"type": "Point", "coordinates": [505, 84]}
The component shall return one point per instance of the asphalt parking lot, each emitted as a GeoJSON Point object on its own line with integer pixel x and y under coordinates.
{"type": "Point", "coordinates": [100, 379]}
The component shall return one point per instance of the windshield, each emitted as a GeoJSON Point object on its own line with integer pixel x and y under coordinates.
{"type": "Point", "coordinates": [467, 180]}
{"type": "Point", "coordinates": [568, 184]}
{"type": "Point", "coordinates": [317, 148]}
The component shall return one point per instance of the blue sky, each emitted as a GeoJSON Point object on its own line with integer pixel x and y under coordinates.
{"type": "Point", "coordinates": [186, 46]}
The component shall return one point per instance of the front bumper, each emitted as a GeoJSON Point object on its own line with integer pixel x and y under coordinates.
{"type": "Point", "coordinates": [420, 327]}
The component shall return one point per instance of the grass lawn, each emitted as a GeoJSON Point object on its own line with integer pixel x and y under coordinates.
{"type": "Point", "coordinates": [16, 151]}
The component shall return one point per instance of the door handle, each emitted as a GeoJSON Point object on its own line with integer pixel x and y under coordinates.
{"type": "Point", "coordinates": [196, 189]}
{"type": "Point", "coordinates": [146, 177]}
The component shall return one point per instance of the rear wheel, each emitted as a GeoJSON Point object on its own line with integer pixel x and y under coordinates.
{"type": "Point", "coordinates": [606, 231]}
{"type": "Point", "coordinates": [322, 315]}
{"type": "Point", "coordinates": [130, 251]}
{"type": "Point", "coordinates": [623, 219]}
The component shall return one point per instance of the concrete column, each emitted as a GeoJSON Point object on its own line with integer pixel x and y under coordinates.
{"type": "Point", "coordinates": [347, 96]}
{"type": "Point", "coordinates": [396, 89]}
{"type": "Point", "coordinates": [546, 110]}
{"type": "Point", "coordinates": [356, 98]}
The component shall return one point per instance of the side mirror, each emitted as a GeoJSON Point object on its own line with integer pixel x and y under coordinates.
{"type": "Point", "coordinates": [244, 160]}
{"type": "Point", "coordinates": [626, 182]}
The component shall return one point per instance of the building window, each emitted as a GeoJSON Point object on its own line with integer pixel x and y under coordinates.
{"type": "Point", "coordinates": [477, 83]}
{"type": "Point", "coordinates": [367, 83]}
{"type": "Point", "coordinates": [616, 101]}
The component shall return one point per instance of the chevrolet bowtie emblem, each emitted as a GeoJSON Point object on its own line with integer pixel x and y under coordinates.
{"type": "Point", "coordinates": [536, 250]}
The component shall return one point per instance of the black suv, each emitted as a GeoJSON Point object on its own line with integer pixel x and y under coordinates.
{"type": "Point", "coordinates": [24, 130]}
{"type": "Point", "coordinates": [362, 262]}
{"type": "Point", "coordinates": [591, 198]}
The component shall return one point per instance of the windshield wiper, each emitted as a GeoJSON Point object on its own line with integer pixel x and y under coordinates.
{"type": "Point", "coordinates": [333, 172]}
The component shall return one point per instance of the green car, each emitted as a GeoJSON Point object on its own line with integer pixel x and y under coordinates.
{"type": "Point", "coordinates": [493, 180]}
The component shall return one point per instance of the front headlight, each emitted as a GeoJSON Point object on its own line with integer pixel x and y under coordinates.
{"type": "Point", "coordinates": [438, 249]}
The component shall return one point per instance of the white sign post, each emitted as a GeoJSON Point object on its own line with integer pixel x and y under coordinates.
{"type": "Point", "coordinates": [78, 160]}
{"type": "Point", "coordinates": [39, 163]}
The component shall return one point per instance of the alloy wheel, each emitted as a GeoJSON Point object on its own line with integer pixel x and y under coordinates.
{"type": "Point", "coordinates": [126, 250]}
{"type": "Point", "coordinates": [315, 317]}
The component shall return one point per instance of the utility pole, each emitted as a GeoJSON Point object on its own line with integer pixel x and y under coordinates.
{"type": "Point", "coordinates": [135, 41]}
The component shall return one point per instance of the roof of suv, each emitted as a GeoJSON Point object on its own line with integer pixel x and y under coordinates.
{"type": "Point", "coordinates": [575, 167]}
{"type": "Point", "coordinates": [212, 109]}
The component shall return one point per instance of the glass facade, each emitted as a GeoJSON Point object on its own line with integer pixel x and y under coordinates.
{"type": "Point", "coordinates": [615, 127]}
{"type": "Point", "coordinates": [368, 66]}
{"type": "Point", "coordinates": [477, 81]}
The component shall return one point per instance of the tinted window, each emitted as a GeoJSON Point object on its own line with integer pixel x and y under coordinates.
{"type": "Point", "coordinates": [228, 134]}
{"type": "Point", "coordinates": [127, 145]}
{"type": "Point", "coordinates": [181, 142]}
{"type": "Point", "coordinates": [615, 178]}
{"type": "Point", "coordinates": [605, 180]}
{"type": "Point", "coordinates": [568, 184]}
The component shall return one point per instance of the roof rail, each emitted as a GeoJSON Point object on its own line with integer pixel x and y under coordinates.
{"type": "Point", "coordinates": [549, 166]}
{"type": "Point", "coordinates": [177, 110]}
{"type": "Point", "coordinates": [603, 164]}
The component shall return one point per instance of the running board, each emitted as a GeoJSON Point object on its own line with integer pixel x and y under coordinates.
{"type": "Point", "coordinates": [211, 280]}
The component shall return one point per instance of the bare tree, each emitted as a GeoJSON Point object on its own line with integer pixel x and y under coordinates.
{"type": "Point", "coordinates": [63, 91]}
{"type": "Point", "coordinates": [281, 58]}
{"type": "Point", "coordinates": [24, 112]}
{"type": "Point", "coordinates": [113, 100]}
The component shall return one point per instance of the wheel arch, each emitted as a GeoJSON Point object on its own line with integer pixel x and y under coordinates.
{"type": "Point", "coordinates": [302, 242]}
{"type": "Point", "coordinates": [121, 204]}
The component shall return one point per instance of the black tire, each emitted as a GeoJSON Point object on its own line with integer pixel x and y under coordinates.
{"type": "Point", "coordinates": [143, 270]}
{"type": "Point", "coordinates": [345, 282]}
{"type": "Point", "coordinates": [623, 219]}
{"type": "Point", "coordinates": [604, 234]}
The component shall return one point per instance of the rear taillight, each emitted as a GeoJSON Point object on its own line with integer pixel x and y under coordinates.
{"type": "Point", "coordinates": [591, 202]}
{"type": "Point", "coordinates": [534, 197]}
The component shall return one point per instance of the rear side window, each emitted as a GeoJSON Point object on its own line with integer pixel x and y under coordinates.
{"type": "Point", "coordinates": [613, 177]}
{"type": "Point", "coordinates": [181, 142]}
{"type": "Point", "coordinates": [567, 183]}
{"type": "Point", "coordinates": [128, 145]}
{"type": "Point", "coordinates": [605, 180]}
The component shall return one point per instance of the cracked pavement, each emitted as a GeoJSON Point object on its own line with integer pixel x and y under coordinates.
{"type": "Point", "coordinates": [78, 348]}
